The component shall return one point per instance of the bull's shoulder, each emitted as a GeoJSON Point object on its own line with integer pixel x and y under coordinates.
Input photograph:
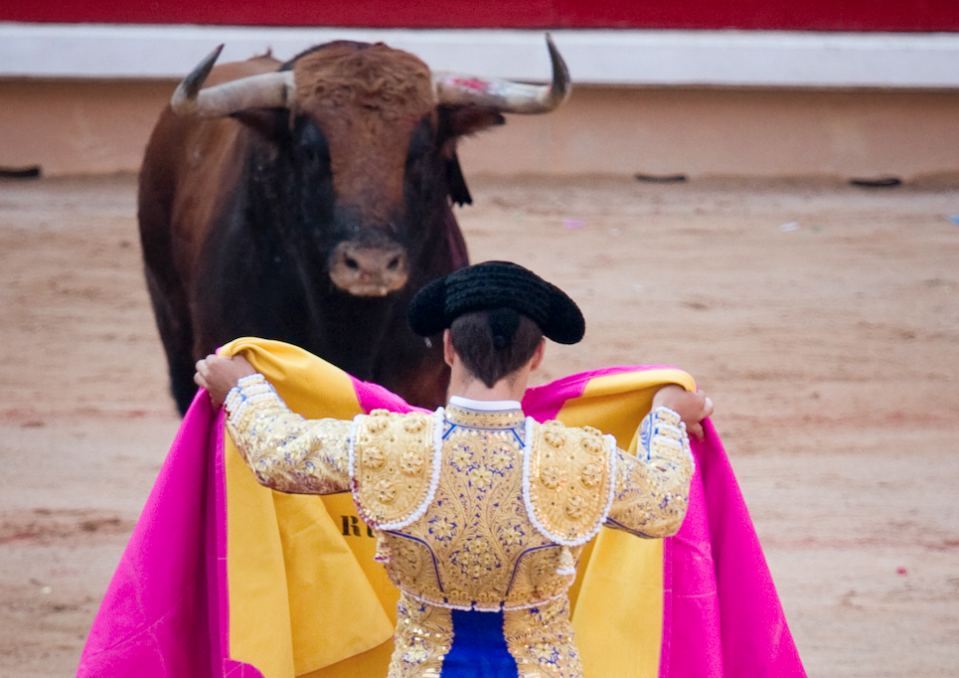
{"type": "Point", "coordinates": [568, 487]}
{"type": "Point", "coordinates": [392, 462]}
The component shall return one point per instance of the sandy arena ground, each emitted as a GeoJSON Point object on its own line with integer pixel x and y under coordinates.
{"type": "Point", "coordinates": [822, 319]}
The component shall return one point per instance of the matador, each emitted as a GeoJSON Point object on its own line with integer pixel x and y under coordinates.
{"type": "Point", "coordinates": [480, 513]}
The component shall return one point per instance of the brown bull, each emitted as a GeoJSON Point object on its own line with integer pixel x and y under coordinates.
{"type": "Point", "coordinates": [307, 201]}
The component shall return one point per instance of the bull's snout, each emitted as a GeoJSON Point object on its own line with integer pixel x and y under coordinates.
{"type": "Point", "coordinates": [368, 271]}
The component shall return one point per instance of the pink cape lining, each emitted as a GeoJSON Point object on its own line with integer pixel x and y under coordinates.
{"type": "Point", "coordinates": [164, 614]}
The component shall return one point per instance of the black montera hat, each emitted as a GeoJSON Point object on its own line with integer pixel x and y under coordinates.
{"type": "Point", "coordinates": [495, 285]}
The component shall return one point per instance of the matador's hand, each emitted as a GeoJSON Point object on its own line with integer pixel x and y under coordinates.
{"type": "Point", "coordinates": [691, 407]}
{"type": "Point", "coordinates": [218, 375]}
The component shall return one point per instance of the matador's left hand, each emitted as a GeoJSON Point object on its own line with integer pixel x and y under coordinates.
{"type": "Point", "coordinates": [218, 375]}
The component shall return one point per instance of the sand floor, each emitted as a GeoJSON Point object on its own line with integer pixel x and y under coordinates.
{"type": "Point", "coordinates": [822, 319]}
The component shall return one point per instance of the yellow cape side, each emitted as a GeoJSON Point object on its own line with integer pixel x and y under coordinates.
{"type": "Point", "coordinates": [304, 599]}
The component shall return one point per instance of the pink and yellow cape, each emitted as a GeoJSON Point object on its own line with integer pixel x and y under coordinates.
{"type": "Point", "coordinates": [223, 577]}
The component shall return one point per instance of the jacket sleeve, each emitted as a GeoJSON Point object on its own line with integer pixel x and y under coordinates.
{"type": "Point", "coordinates": [285, 451]}
{"type": "Point", "coordinates": [652, 488]}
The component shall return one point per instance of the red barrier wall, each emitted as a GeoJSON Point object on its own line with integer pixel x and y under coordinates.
{"type": "Point", "coordinates": [814, 15]}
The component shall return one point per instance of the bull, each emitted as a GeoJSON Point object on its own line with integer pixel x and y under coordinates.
{"type": "Point", "coordinates": [307, 201]}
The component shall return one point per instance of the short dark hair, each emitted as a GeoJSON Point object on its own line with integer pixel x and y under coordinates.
{"type": "Point", "coordinates": [489, 354]}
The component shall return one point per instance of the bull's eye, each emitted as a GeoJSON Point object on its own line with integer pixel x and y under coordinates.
{"type": "Point", "coordinates": [312, 144]}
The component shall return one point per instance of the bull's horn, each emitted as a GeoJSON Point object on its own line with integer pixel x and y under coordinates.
{"type": "Point", "coordinates": [505, 95]}
{"type": "Point", "coordinates": [266, 90]}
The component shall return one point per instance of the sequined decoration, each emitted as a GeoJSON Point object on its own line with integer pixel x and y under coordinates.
{"type": "Point", "coordinates": [542, 641]}
{"type": "Point", "coordinates": [286, 451]}
{"type": "Point", "coordinates": [652, 494]}
{"type": "Point", "coordinates": [424, 635]}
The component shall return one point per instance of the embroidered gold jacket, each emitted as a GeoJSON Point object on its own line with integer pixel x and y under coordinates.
{"type": "Point", "coordinates": [483, 510]}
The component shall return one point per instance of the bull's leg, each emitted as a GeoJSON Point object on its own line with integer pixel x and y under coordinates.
{"type": "Point", "coordinates": [176, 334]}
{"type": "Point", "coordinates": [182, 386]}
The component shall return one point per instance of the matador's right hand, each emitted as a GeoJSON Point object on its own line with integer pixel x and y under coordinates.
{"type": "Point", "coordinates": [691, 407]}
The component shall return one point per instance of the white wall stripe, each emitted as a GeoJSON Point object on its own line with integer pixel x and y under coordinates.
{"type": "Point", "coordinates": [626, 57]}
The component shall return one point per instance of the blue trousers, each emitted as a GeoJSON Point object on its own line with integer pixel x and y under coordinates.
{"type": "Point", "coordinates": [479, 647]}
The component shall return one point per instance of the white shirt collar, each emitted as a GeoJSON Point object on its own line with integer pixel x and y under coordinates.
{"type": "Point", "coordinates": [485, 405]}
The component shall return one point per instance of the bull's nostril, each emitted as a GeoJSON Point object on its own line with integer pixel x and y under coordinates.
{"type": "Point", "coordinates": [394, 263]}
{"type": "Point", "coordinates": [352, 264]}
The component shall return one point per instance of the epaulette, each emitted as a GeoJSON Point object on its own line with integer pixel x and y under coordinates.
{"type": "Point", "coordinates": [568, 481]}
{"type": "Point", "coordinates": [393, 466]}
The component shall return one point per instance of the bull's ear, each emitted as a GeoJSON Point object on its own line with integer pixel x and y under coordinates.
{"type": "Point", "coordinates": [270, 123]}
{"type": "Point", "coordinates": [459, 191]}
{"type": "Point", "coordinates": [465, 120]}
{"type": "Point", "coordinates": [455, 122]}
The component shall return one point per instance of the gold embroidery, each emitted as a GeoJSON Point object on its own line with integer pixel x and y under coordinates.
{"type": "Point", "coordinates": [286, 451]}
{"type": "Point", "coordinates": [568, 479]}
{"type": "Point", "coordinates": [477, 419]}
{"type": "Point", "coordinates": [412, 462]}
{"type": "Point", "coordinates": [477, 532]}
{"type": "Point", "coordinates": [542, 641]}
{"type": "Point", "coordinates": [477, 502]}
{"type": "Point", "coordinates": [591, 475]}
{"type": "Point", "coordinates": [383, 552]}
{"type": "Point", "coordinates": [424, 635]}
{"type": "Point", "coordinates": [391, 470]}
{"type": "Point", "coordinates": [651, 504]}
{"type": "Point", "coordinates": [575, 507]}
{"type": "Point", "coordinates": [552, 476]}
{"type": "Point", "coordinates": [481, 477]}
{"type": "Point", "coordinates": [373, 457]}
{"type": "Point", "coordinates": [651, 497]}
{"type": "Point", "coordinates": [553, 437]}
{"type": "Point", "coordinates": [413, 425]}
{"type": "Point", "coordinates": [538, 577]}
{"type": "Point", "coordinates": [411, 566]}
{"type": "Point", "coordinates": [487, 554]}
{"type": "Point", "coordinates": [385, 491]}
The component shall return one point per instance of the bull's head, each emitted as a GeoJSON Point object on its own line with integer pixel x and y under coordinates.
{"type": "Point", "coordinates": [371, 133]}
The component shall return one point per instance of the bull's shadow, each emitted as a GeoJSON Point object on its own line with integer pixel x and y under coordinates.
{"type": "Point", "coordinates": [308, 201]}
